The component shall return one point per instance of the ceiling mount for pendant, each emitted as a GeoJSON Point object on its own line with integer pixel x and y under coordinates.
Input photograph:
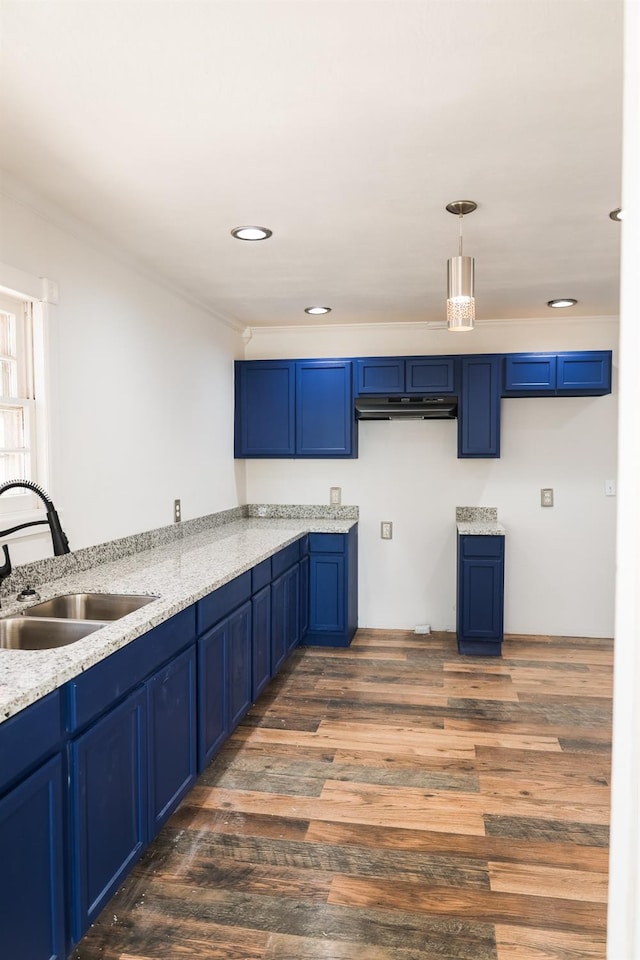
{"type": "Point", "coordinates": [461, 305]}
{"type": "Point", "coordinates": [461, 207]}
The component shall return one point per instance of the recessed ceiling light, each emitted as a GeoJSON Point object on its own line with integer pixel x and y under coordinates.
{"type": "Point", "coordinates": [562, 302]}
{"type": "Point", "coordinates": [251, 233]}
{"type": "Point", "coordinates": [316, 311]}
{"type": "Point", "coordinates": [617, 214]}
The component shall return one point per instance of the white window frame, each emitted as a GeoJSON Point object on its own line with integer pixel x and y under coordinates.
{"type": "Point", "coordinates": [34, 292]}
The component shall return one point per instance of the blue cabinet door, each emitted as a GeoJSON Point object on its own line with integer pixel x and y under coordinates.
{"type": "Point", "coordinates": [285, 616]}
{"type": "Point", "coordinates": [304, 597]}
{"type": "Point", "coordinates": [380, 376]}
{"type": "Point", "coordinates": [327, 611]}
{"type": "Point", "coordinates": [584, 374]}
{"type": "Point", "coordinates": [333, 589]}
{"type": "Point", "coordinates": [430, 375]}
{"type": "Point", "coordinates": [109, 806]}
{"type": "Point", "coordinates": [529, 375]}
{"type": "Point", "coordinates": [171, 711]}
{"type": "Point", "coordinates": [261, 634]}
{"type": "Point", "coordinates": [278, 623]}
{"type": "Point", "coordinates": [292, 594]}
{"type": "Point", "coordinates": [239, 664]}
{"type": "Point", "coordinates": [325, 418]}
{"type": "Point", "coordinates": [31, 879]}
{"type": "Point", "coordinates": [479, 407]}
{"type": "Point", "coordinates": [480, 607]}
{"type": "Point", "coordinates": [213, 693]}
{"type": "Point", "coordinates": [264, 408]}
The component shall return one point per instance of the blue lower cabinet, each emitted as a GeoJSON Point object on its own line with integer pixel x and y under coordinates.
{"type": "Point", "coordinates": [171, 709]}
{"type": "Point", "coordinates": [108, 806]}
{"type": "Point", "coordinates": [333, 589]}
{"type": "Point", "coordinates": [224, 680]}
{"type": "Point", "coordinates": [285, 615]}
{"type": "Point", "coordinates": [240, 665]}
{"type": "Point", "coordinates": [480, 595]}
{"type": "Point", "coordinates": [304, 595]}
{"type": "Point", "coordinates": [261, 634]}
{"type": "Point", "coordinates": [213, 693]}
{"type": "Point", "coordinates": [32, 911]}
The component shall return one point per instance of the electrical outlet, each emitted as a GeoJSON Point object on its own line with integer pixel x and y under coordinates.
{"type": "Point", "coordinates": [609, 488]}
{"type": "Point", "coordinates": [335, 496]}
{"type": "Point", "coordinates": [546, 497]}
{"type": "Point", "coordinates": [177, 511]}
{"type": "Point", "coordinates": [386, 530]}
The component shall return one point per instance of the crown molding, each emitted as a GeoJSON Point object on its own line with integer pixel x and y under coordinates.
{"type": "Point", "coordinates": [250, 333]}
{"type": "Point", "coordinates": [50, 212]}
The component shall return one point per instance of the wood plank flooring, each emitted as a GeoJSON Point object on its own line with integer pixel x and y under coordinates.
{"type": "Point", "coordinates": [392, 801]}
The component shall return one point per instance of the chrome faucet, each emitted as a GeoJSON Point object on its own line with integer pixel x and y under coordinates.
{"type": "Point", "coordinates": [58, 537]}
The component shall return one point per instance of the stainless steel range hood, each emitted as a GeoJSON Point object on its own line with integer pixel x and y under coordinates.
{"type": "Point", "coordinates": [406, 408]}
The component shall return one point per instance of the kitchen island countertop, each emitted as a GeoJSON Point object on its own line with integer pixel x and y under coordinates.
{"type": "Point", "coordinates": [178, 574]}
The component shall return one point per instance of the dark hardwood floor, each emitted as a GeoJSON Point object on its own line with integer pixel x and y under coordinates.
{"type": "Point", "coordinates": [392, 801]}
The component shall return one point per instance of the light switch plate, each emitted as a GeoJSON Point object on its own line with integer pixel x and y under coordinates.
{"type": "Point", "coordinates": [546, 497]}
{"type": "Point", "coordinates": [386, 530]}
{"type": "Point", "coordinates": [177, 511]}
{"type": "Point", "coordinates": [335, 496]}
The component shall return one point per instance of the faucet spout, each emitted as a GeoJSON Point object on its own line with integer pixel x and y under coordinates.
{"type": "Point", "coordinates": [58, 536]}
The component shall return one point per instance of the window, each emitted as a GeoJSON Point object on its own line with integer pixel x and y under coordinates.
{"type": "Point", "coordinates": [18, 436]}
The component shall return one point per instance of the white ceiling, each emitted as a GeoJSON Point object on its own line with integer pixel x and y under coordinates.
{"type": "Point", "coordinates": [343, 126]}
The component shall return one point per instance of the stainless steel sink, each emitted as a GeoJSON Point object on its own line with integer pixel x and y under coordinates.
{"type": "Point", "coordinates": [89, 606]}
{"type": "Point", "coordinates": [38, 633]}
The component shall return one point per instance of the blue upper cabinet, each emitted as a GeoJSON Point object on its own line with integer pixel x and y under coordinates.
{"type": "Point", "coordinates": [430, 375]}
{"type": "Point", "coordinates": [265, 408]}
{"type": "Point", "coordinates": [385, 376]}
{"type": "Point", "coordinates": [479, 407]}
{"type": "Point", "coordinates": [380, 376]}
{"type": "Point", "coordinates": [584, 374]}
{"type": "Point", "coordinates": [529, 375]}
{"type": "Point", "coordinates": [294, 408]}
{"type": "Point", "coordinates": [325, 418]}
{"type": "Point", "coordinates": [579, 374]}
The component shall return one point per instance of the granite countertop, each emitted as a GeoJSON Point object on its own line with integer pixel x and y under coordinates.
{"type": "Point", "coordinates": [478, 522]}
{"type": "Point", "coordinates": [481, 528]}
{"type": "Point", "coordinates": [179, 573]}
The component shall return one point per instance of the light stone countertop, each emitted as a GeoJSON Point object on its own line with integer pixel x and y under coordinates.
{"type": "Point", "coordinates": [179, 573]}
{"type": "Point", "coordinates": [481, 528]}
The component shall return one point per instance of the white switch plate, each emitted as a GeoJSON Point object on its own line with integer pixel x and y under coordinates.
{"type": "Point", "coordinates": [177, 511]}
{"type": "Point", "coordinates": [335, 496]}
{"type": "Point", "coordinates": [546, 497]}
{"type": "Point", "coordinates": [386, 530]}
{"type": "Point", "coordinates": [609, 488]}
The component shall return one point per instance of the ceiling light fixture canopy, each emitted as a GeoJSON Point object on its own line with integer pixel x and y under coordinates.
{"type": "Point", "coordinates": [562, 302]}
{"type": "Point", "coordinates": [461, 304]}
{"type": "Point", "coordinates": [317, 311]}
{"type": "Point", "coordinates": [251, 233]}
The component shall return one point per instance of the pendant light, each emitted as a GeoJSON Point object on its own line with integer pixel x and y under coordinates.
{"type": "Point", "coordinates": [461, 306]}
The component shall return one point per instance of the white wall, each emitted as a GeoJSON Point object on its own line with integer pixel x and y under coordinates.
{"type": "Point", "coordinates": [560, 561]}
{"type": "Point", "coordinates": [141, 390]}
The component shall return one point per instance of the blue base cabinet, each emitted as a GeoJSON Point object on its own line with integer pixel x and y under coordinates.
{"type": "Point", "coordinates": [32, 909]}
{"type": "Point", "coordinates": [108, 806]}
{"type": "Point", "coordinates": [225, 666]}
{"type": "Point", "coordinates": [333, 589]}
{"type": "Point", "coordinates": [171, 711]}
{"type": "Point", "coordinates": [480, 595]}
